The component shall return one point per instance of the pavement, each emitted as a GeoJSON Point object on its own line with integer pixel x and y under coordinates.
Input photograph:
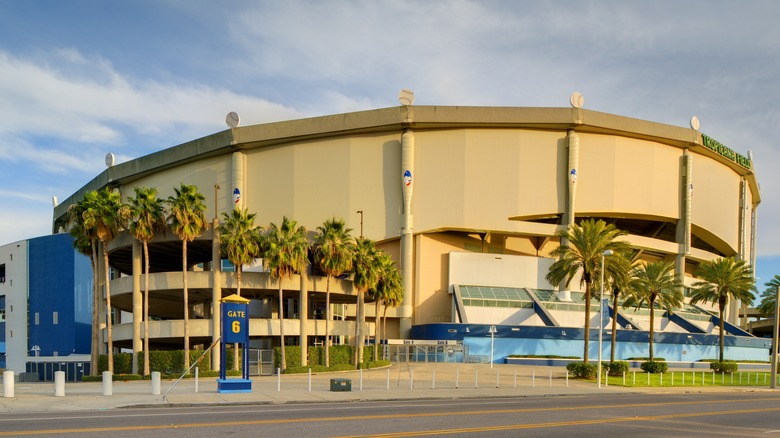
{"type": "Point", "coordinates": [397, 382]}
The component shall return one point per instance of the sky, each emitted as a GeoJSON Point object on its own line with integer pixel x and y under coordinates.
{"type": "Point", "coordinates": [82, 78]}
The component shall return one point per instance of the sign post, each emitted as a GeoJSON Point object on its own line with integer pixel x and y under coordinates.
{"type": "Point", "coordinates": [235, 330]}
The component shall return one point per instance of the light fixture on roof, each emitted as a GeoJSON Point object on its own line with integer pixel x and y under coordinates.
{"type": "Point", "coordinates": [406, 97]}
{"type": "Point", "coordinates": [110, 159]}
{"type": "Point", "coordinates": [577, 100]}
{"type": "Point", "coordinates": [232, 119]}
{"type": "Point", "coordinates": [695, 123]}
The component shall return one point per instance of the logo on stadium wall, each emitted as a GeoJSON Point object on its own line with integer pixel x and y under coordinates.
{"type": "Point", "coordinates": [573, 176]}
{"type": "Point", "coordinates": [407, 178]}
{"type": "Point", "coordinates": [236, 196]}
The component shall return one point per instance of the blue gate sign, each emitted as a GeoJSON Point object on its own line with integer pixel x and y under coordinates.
{"type": "Point", "coordinates": [235, 323]}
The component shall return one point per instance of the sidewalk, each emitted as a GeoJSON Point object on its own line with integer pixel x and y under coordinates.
{"type": "Point", "coordinates": [399, 382]}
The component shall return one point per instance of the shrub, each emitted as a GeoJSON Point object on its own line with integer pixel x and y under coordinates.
{"type": "Point", "coordinates": [617, 368]}
{"type": "Point", "coordinates": [726, 366]}
{"type": "Point", "coordinates": [582, 370]}
{"type": "Point", "coordinates": [655, 366]}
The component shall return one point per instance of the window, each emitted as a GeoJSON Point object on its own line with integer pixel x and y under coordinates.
{"type": "Point", "coordinates": [37, 318]}
{"type": "Point", "coordinates": [2, 273]}
{"type": "Point", "coordinates": [56, 318]}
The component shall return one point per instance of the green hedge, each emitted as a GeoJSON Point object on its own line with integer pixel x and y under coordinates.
{"type": "Point", "coordinates": [726, 366]}
{"type": "Point", "coordinates": [655, 367]}
{"type": "Point", "coordinates": [168, 362]}
{"type": "Point", "coordinates": [341, 357]}
{"type": "Point", "coordinates": [617, 368]}
{"type": "Point", "coordinates": [582, 370]}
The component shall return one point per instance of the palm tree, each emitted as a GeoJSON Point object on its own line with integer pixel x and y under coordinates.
{"type": "Point", "coordinates": [386, 289]}
{"type": "Point", "coordinates": [286, 249]}
{"type": "Point", "coordinates": [768, 296]}
{"type": "Point", "coordinates": [581, 253]}
{"type": "Point", "coordinates": [240, 243]}
{"type": "Point", "coordinates": [366, 277]}
{"type": "Point", "coordinates": [723, 279]}
{"type": "Point", "coordinates": [240, 240]}
{"type": "Point", "coordinates": [617, 278]}
{"type": "Point", "coordinates": [106, 215]}
{"type": "Point", "coordinates": [85, 242]}
{"type": "Point", "coordinates": [148, 217]}
{"type": "Point", "coordinates": [187, 216]}
{"type": "Point", "coordinates": [655, 283]}
{"type": "Point", "coordinates": [333, 251]}
{"type": "Point", "coordinates": [394, 299]}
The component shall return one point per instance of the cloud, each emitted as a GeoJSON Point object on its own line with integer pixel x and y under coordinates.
{"type": "Point", "coordinates": [65, 95]}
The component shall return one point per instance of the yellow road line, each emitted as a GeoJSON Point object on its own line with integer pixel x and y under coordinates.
{"type": "Point", "coordinates": [422, 415]}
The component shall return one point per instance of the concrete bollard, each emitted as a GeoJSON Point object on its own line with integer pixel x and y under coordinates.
{"type": "Point", "coordinates": [59, 383]}
{"type": "Point", "coordinates": [8, 384]}
{"type": "Point", "coordinates": [108, 381]}
{"type": "Point", "coordinates": [155, 383]}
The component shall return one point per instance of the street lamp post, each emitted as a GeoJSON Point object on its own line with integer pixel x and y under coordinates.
{"type": "Point", "coordinates": [773, 377]}
{"type": "Point", "coordinates": [492, 334]}
{"type": "Point", "coordinates": [601, 309]}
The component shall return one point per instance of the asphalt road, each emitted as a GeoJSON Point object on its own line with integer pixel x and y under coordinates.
{"type": "Point", "coordinates": [683, 415]}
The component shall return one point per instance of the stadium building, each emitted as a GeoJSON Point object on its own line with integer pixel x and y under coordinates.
{"type": "Point", "coordinates": [467, 200]}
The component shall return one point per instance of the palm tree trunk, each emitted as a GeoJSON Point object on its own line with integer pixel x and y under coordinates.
{"type": "Point", "coordinates": [281, 326]}
{"type": "Point", "coordinates": [146, 308]}
{"type": "Point", "coordinates": [384, 324]}
{"type": "Point", "coordinates": [652, 325]}
{"type": "Point", "coordinates": [109, 332]}
{"type": "Point", "coordinates": [587, 321]}
{"type": "Point", "coordinates": [376, 330]}
{"type": "Point", "coordinates": [327, 322]}
{"type": "Point", "coordinates": [720, 335]}
{"type": "Point", "coordinates": [95, 349]}
{"type": "Point", "coordinates": [613, 341]}
{"type": "Point", "coordinates": [186, 306]}
{"type": "Point", "coordinates": [236, 360]}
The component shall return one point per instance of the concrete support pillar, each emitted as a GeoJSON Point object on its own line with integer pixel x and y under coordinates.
{"type": "Point", "coordinates": [303, 315]}
{"type": "Point", "coordinates": [238, 169]}
{"type": "Point", "coordinates": [573, 141]}
{"type": "Point", "coordinates": [216, 296]}
{"type": "Point", "coordinates": [137, 303]}
{"type": "Point", "coordinates": [407, 235]}
{"type": "Point", "coordinates": [683, 231]}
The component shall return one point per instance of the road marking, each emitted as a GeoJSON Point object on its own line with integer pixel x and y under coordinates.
{"type": "Point", "coordinates": [433, 414]}
{"type": "Point", "coordinates": [561, 423]}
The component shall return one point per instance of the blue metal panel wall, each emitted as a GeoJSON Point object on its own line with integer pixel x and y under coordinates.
{"type": "Point", "coordinates": [82, 303]}
{"type": "Point", "coordinates": [568, 341]}
{"type": "Point", "coordinates": [51, 289]}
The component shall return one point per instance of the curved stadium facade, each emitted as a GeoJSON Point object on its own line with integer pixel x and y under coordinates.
{"type": "Point", "coordinates": [467, 200]}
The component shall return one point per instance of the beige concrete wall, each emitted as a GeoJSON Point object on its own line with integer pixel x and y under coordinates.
{"type": "Point", "coordinates": [316, 180]}
{"type": "Point", "coordinates": [628, 176]}
{"type": "Point", "coordinates": [715, 203]}
{"type": "Point", "coordinates": [479, 178]}
{"type": "Point", "coordinates": [202, 173]}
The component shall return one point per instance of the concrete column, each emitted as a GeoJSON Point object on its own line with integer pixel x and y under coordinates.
{"type": "Point", "coordinates": [573, 173]}
{"type": "Point", "coordinates": [137, 303]}
{"type": "Point", "coordinates": [573, 141]}
{"type": "Point", "coordinates": [303, 315]}
{"type": "Point", "coordinates": [683, 231]}
{"type": "Point", "coordinates": [407, 235]}
{"type": "Point", "coordinates": [216, 296]}
{"type": "Point", "coordinates": [238, 179]}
